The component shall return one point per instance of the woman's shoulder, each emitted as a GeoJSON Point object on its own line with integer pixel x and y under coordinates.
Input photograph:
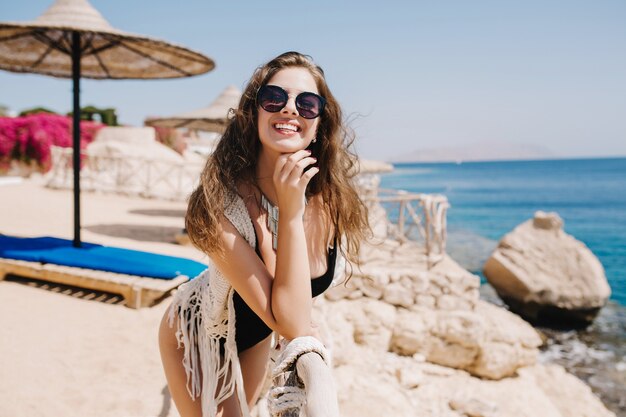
{"type": "Point", "coordinates": [236, 212]}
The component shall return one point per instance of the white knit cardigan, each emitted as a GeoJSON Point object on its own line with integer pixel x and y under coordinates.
{"type": "Point", "coordinates": [208, 301]}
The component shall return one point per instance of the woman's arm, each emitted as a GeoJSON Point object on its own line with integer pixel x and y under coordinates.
{"type": "Point", "coordinates": [284, 301]}
{"type": "Point", "coordinates": [246, 272]}
{"type": "Point", "coordinates": [291, 291]}
{"type": "Point", "coordinates": [283, 308]}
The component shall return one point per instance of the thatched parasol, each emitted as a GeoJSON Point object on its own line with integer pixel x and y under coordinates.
{"type": "Point", "coordinates": [71, 39]}
{"type": "Point", "coordinates": [210, 119]}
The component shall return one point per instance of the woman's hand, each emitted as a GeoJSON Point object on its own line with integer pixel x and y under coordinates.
{"type": "Point", "coordinates": [290, 182]}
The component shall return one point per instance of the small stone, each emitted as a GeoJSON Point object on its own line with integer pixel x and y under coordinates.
{"type": "Point", "coordinates": [398, 295]}
{"type": "Point", "coordinates": [473, 407]}
{"type": "Point", "coordinates": [547, 221]}
{"type": "Point", "coordinates": [409, 378]}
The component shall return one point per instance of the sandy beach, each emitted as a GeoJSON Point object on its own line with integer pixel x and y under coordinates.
{"type": "Point", "coordinates": [63, 354]}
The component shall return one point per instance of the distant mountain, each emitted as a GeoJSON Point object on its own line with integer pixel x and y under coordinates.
{"type": "Point", "coordinates": [479, 151]}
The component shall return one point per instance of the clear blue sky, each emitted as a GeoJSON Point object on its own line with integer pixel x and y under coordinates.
{"type": "Point", "coordinates": [413, 74]}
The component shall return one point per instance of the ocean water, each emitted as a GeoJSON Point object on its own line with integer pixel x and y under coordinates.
{"type": "Point", "coordinates": [488, 199]}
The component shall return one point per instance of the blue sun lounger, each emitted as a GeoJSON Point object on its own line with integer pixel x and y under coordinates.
{"type": "Point", "coordinates": [140, 277]}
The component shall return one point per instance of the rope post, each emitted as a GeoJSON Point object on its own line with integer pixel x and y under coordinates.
{"type": "Point", "coordinates": [308, 385]}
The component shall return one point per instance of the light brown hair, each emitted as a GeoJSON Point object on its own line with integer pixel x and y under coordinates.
{"type": "Point", "coordinates": [235, 157]}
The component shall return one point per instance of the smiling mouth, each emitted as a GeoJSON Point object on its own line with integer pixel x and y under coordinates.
{"type": "Point", "coordinates": [286, 127]}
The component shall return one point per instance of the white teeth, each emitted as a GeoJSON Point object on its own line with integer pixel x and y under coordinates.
{"type": "Point", "coordinates": [286, 126]}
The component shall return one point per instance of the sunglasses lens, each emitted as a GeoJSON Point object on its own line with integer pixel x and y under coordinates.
{"type": "Point", "coordinates": [309, 105]}
{"type": "Point", "coordinates": [272, 98]}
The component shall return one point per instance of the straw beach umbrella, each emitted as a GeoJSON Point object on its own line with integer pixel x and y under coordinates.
{"type": "Point", "coordinates": [72, 39]}
{"type": "Point", "coordinates": [210, 119]}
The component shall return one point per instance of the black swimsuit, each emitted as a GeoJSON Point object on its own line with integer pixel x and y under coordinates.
{"type": "Point", "coordinates": [250, 329]}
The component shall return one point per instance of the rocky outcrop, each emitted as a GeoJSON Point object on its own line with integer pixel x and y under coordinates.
{"type": "Point", "coordinates": [377, 385]}
{"type": "Point", "coordinates": [376, 382]}
{"type": "Point", "coordinates": [411, 339]}
{"type": "Point", "coordinates": [544, 274]}
{"type": "Point", "coordinates": [432, 313]}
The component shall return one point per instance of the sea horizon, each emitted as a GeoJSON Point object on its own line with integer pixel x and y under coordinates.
{"type": "Point", "coordinates": [471, 161]}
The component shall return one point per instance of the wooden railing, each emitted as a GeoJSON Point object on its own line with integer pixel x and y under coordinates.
{"type": "Point", "coordinates": [126, 175]}
{"type": "Point", "coordinates": [408, 216]}
{"type": "Point", "coordinates": [416, 217]}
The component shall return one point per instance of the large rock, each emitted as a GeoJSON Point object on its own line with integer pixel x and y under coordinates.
{"type": "Point", "coordinates": [368, 389]}
{"type": "Point", "coordinates": [545, 391]}
{"type": "Point", "coordinates": [509, 344]}
{"type": "Point", "coordinates": [434, 313]}
{"type": "Point", "coordinates": [394, 302]}
{"type": "Point", "coordinates": [488, 342]}
{"type": "Point", "coordinates": [375, 383]}
{"type": "Point", "coordinates": [546, 275]}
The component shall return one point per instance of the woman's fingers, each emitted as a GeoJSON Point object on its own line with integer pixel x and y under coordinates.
{"type": "Point", "coordinates": [306, 177]}
{"type": "Point", "coordinates": [291, 177]}
{"type": "Point", "coordinates": [290, 167]}
{"type": "Point", "coordinates": [298, 169]}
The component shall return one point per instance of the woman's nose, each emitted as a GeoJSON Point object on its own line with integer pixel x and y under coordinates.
{"type": "Point", "coordinates": [290, 107]}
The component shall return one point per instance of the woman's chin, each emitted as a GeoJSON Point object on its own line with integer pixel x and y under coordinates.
{"type": "Point", "coordinates": [287, 145]}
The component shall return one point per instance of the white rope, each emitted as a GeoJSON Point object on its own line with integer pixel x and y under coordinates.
{"type": "Point", "coordinates": [283, 398]}
{"type": "Point", "coordinates": [296, 348]}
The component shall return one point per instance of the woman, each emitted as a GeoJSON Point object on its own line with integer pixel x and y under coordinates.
{"type": "Point", "coordinates": [284, 151]}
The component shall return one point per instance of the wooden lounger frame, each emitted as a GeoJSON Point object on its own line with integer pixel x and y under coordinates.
{"type": "Point", "coordinates": [137, 291]}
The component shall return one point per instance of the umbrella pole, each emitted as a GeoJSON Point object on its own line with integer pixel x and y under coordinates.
{"type": "Point", "coordinates": [76, 134]}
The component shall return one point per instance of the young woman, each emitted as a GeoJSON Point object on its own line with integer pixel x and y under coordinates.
{"type": "Point", "coordinates": [284, 152]}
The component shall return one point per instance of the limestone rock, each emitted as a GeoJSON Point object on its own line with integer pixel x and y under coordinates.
{"type": "Point", "coordinates": [488, 342]}
{"type": "Point", "coordinates": [509, 343]}
{"type": "Point", "coordinates": [365, 393]}
{"type": "Point", "coordinates": [411, 333]}
{"type": "Point", "coordinates": [569, 394]}
{"type": "Point", "coordinates": [546, 391]}
{"type": "Point", "coordinates": [470, 396]}
{"type": "Point", "coordinates": [371, 320]}
{"type": "Point", "coordinates": [409, 378]}
{"type": "Point", "coordinates": [473, 407]}
{"type": "Point", "coordinates": [455, 339]}
{"type": "Point", "coordinates": [410, 339]}
{"type": "Point", "coordinates": [545, 274]}
{"type": "Point", "coordinates": [341, 338]}
{"type": "Point", "coordinates": [398, 295]}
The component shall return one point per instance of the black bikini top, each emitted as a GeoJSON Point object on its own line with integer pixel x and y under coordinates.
{"type": "Point", "coordinates": [321, 283]}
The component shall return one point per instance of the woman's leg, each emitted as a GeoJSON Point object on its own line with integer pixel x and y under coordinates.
{"type": "Point", "coordinates": [254, 362]}
{"type": "Point", "coordinates": [172, 358]}
{"type": "Point", "coordinates": [253, 368]}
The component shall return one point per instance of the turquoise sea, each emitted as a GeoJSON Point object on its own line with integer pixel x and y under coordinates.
{"type": "Point", "coordinates": [488, 199]}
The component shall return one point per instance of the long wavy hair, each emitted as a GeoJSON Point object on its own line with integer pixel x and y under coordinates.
{"type": "Point", "coordinates": [235, 157]}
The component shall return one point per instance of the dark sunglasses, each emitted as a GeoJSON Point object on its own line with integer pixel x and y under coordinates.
{"type": "Point", "coordinates": [273, 99]}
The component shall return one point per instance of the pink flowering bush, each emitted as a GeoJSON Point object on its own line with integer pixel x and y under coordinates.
{"type": "Point", "coordinates": [27, 139]}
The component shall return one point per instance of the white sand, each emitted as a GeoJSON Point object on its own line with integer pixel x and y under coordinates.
{"type": "Point", "coordinates": [61, 355]}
